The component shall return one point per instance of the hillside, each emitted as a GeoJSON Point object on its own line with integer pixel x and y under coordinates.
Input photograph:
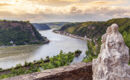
{"type": "Point", "coordinates": [94, 29]}
{"type": "Point", "coordinates": [19, 33]}
{"type": "Point", "coordinates": [40, 26]}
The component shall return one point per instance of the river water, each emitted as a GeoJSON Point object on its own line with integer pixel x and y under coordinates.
{"type": "Point", "coordinates": [57, 43]}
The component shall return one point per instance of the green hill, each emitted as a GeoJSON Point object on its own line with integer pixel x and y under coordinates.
{"type": "Point", "coordinates": [56, 24]}
{"type": "Point", "coordinates": [95, 29]}
{"type": "Point", "coordinates": [19, 33]}
{"type": "Point", "coordinates": [40, 26]}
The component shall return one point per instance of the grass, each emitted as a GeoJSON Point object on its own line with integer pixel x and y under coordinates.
{"type": "Point", "coordinates": [71, 29]}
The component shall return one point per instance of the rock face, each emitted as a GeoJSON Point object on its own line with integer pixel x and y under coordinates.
{"type": "Point", "coordinates": [80, 71]}
{"type": "Point", "coordinates": [112, 62]}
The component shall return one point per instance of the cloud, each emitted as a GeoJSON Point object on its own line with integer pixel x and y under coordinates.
{"type": "Point", "coordinates": [54, 2]}
{"type": "Point", "coordinates": [63, 10]}
{"type": "Point", "coordinates": [4, 4]}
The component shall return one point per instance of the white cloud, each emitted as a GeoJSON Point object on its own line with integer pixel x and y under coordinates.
{"type": "Point", "coordinates": [70, 10]}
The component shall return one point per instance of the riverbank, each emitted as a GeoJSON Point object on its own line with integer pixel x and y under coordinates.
{"type": "Point", "coordinates": [26, 66]}
{"type": "Point", "coordinates": [71, 35]}
{"type": "Point", "coordinates": [14, 45]}
{"type": "Point", "coordinates": [62, 59]}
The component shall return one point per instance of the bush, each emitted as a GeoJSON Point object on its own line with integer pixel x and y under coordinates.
{"type": "Point", "coordinates": [62, 59]}
{"type": "Point", "coordinates": [77, 53]}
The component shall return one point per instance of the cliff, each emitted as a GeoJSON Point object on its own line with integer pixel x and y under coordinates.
{"type": "Point", "coordinates": [41, 26]}
{"type": "Point", "coordinates": [112, 61]}
{"type": "Point", "coordinates": [19, 33]}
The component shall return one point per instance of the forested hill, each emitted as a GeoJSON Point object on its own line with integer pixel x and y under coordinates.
{"type": "Point", "coordinates": [19, 33]}
{"type": "Point", "coordinates": [56, 24]}
{"type": "Point", "coordinates": [94, 29]}
{"type": "Point", "coordinates": [40, 26]}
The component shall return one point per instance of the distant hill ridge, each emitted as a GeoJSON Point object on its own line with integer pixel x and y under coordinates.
{"type": "Point", "coordinates": [19, 33]}
{"type": "Point", "coordinates": [40, 26]}
{"type": "Point", "coordinates": [95, 29]}
{"type": "Point", "coordinates": [56, 24]}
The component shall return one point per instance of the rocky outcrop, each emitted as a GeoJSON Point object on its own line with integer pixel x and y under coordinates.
{"type": "Point", "coordinates": [80, 71]}
{"type": "Point", "coordinates": [112, 62]}
{"type": "Point", "coordinates": [19, 33]}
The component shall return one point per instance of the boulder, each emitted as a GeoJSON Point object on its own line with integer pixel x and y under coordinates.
{"type": "Point", "coordinates": [112, 61]}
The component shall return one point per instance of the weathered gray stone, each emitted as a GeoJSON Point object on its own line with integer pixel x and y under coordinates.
{"type": "Point", "coordinates": [80, 71]}
{"type": "Point", "coordinates": [112, 62]}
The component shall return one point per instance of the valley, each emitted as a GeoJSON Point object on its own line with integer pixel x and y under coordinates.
{"type": "Point", "coordinates": [19, 54]}
{"type": "Point", "coordinates": [64, 39]}
{"type": "Point", "coordinates": [60, 50]}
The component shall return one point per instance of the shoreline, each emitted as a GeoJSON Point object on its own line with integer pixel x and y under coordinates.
{"type": "Point", "coordinates": [71, 35]}
{"type": "Point", "coordinates": [42, 43]}
{"type": "Point", "coordinates": [35, 66]}
{"type": "Point", "coordinates": [26, 65]}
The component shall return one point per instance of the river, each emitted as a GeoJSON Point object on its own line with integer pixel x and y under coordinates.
{"type": "Point", "coordinates": [57, 43]}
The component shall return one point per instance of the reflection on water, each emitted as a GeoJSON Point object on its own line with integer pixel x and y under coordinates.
{"type": "Point", "coordinates": [57, 43]}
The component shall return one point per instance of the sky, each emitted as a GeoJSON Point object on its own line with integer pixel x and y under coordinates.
{"type": "Point", "coordinates": [38, 11]}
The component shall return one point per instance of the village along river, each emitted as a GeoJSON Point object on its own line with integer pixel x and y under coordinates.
{"type": "Point", "coordinates": [57, 43]}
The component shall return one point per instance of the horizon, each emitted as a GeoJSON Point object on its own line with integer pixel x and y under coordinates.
{"type": "Point", "coordinates": [63, 22]}
{"type": "Point", "coordinates": [47, 11]}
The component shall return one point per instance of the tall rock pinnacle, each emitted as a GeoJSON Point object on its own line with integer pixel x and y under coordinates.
{"type": "Point", "coordinates": [112, 62]}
